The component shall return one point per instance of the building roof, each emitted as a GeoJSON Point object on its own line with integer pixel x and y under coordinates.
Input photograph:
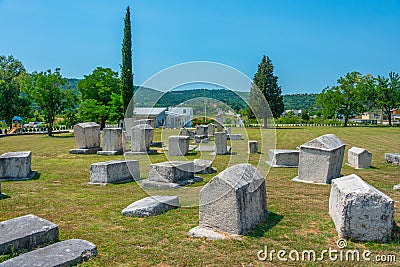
{"type": "Point", "coordinates": [149, 111]}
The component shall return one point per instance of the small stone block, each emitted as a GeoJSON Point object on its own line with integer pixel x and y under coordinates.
{"type": "Point", "coordinates": [171, 171]}
{"type": "Point", "coordinates": [396, 187]}
{"type": "Point", "coordinates": [253, 146]}
{"type": "Point", "coordinates": [151, 206]}
{"type": "Point", "coordinates": [26, 233]}
{"type": "Point", "coordinates": [92, 150]}
{"type": "Point", "coordinates": [235, 137]}
{"type": "Point", "coordinates": [178, 145]}
{"type": "Point", "coordinates": [393, 158]}
{"type": "Point", "coordinates": [359, 158]}
{"type": "Point", "coordinates": [61, 254]}
{"type": "Point", "coordinates": [283, 158]}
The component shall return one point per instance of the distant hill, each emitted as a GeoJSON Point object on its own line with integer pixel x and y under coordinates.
{"type": "Point", "coordinates": [146, 97]}
{"type": "Point", "coordinates": [300, 101]}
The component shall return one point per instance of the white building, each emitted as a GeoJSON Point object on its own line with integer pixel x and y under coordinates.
{"type": "Point", "coordinates": [178, 117]}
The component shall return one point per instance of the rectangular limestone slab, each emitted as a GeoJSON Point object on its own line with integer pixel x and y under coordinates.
{"type": "Point", "coordinates": [15, 165]}
{"type": "Point", "coordinates": [171, 171]}
{"type": "Point", "coordinates": [112, 140]}
{"type": "Point", "coordinates": [87, 135]}
{"type": "Point", "coordinates": [26, 233]}
{"type": "Point", "coordinates": [283, 158]}
{"type": "Point", "coordinates": [114, 171]}
{"type": "Point", "coordinates": [360, 211]}
{"type": "Point", "coordinates": [61, 254]}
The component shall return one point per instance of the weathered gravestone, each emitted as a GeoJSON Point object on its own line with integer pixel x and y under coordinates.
{"type": "Point", "coordinates": [220, 143]}
{"type": "Point", "coordinates": [111, 142]}
{"type": "Point", "coordinates": [16, 166]}
{"type": "Point", "coordinates": [26, 233]}
{"type": "Point", "coordinates": [283, 158]}
{"type": "Point", "coordinates": [203, 166]}
{"type": "Point", "coordinates": [392, 158]}
{"type": "Point", "coordinates": [321, 159]}
{"type": "Point", "coordinates": [360, 211]}
{"type": "Point", "coordinates": [62, 254]}
{"type": "Point", "coordinates": [396, 187]}
{"type": "Point", "coordinates": [151, 206]}
{"type": "Point", "coordinates": [187, 132]}
{"type": "Point", "coordinates": [233, 202]}
{"type": "Point", "coordinates": [211, 129]}
{"type": "Point", "coordinates": [171, 174]}
{"type": "Point", "coordinates": [178, 145]}
{"type": "Point", "coordinates": [114, 171]}
{"type": "Point", "coordinates": [253, 146]}
{"type": "Point", "coordinates": [202, 130]}
{"type": "Point", "coordinates": [132, 122]}
{"type": "Point", "coordinates": [87, 137]}
{"type": "Point", "coordinates": [142, 136]}
{"type": "Point", "coordinates": [359, 158]}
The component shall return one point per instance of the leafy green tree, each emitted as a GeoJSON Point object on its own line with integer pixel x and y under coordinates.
{"type": "Point", "coordinates": [387, 94]}
{"type": "Point", "coordinates": [305, 115]}
{"type": "Point", "coordinates": [268, 92]}
{"type": "Point", "coordinates": [46, 89]}
{"type": "Point", "coordinates": [347, 98]}
{"type": "Point", "coordinates": [126, 70]}
{"type": "Point", "coordinates": [97, 90]}
{"type": "Point", "coordinates": [12, 100]}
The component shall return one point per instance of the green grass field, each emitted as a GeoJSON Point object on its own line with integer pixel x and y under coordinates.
{"type": "Point", "coordinates": [298, 218]}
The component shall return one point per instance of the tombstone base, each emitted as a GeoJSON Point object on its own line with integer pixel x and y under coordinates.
{"type": "Point", "coordinates": [30, 177]}
{"type": "Point", "coordinates": [163, 185]}
{"type": "Point", "coordinates": [131, 153]}
{"type": "Point", "coordinates": [296, 179]}
{"type": "Point", "coordinates": [348, 164]}
{"type": "Point", "coordinates": [208, 233]}
{"type": "Point", "coordinates": [110, 153]}
{"type": "Point", "coordinates": [279, 166]}
{"type": "Point", "coordinates": [92, 150]}
{"type": "Point", "coordinates": [396, 187]}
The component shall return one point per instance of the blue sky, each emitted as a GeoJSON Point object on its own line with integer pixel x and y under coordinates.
{"type": "Point", "coordinates": [311, 43]}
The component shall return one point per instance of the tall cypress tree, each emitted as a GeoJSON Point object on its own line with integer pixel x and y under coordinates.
{"type": "Point", "coordinates": [269, 89]}
{"type": "Point", "coordinates": [126, 72]}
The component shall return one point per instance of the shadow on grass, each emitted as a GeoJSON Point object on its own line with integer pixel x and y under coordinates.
{"type": "Point", "coordinates": [395, 234]}
{"type": "Point", "coordinates": [272, 220]}
{"type": "Point", "coordinates": [2, 196]}
{"type": "Point", "coordinates": [62, 136]}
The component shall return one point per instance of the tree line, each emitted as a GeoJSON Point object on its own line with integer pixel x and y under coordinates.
{"type": "Point", "coordinates": [355, 93]}
{"type": "Point", "coordinates": [102, 95]}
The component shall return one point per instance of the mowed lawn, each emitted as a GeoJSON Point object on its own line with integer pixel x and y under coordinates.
{"type": "Point", "coordinates": [298, 213]}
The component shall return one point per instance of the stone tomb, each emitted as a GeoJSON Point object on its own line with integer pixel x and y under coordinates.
{"type": "Point", "coordinates": [253, 146]}
{"type": "Point", "coordinates": [65, 253]}
{"type": "Point", "coordinates": [393, 158]}
{"type": "Point", "coordinates": [178, 145]}
{"type": "Point", "coordinates": [202, 130]}
{"type": "Point", "coordinates": [360, 211]}
{"type": "Point", "coordinates": [151, 206]}
{"type": "Point", "coordinates": [26, 233]}
{"type": "Point", "coordinates": [359, 158]}
{"type": "Point", "coordinates": [111, 142]}
{"type": "Point", "coordinates": [142, 136]}
{"type": "Point", "coordinates": [395, 187]}
{"type": "Point", "coordinates": [235, 137]}
{"type": "Point", "coordinates": [220, 143]}
{"type": "Point", "coordinates": [114, 171]}
{"type": "Point", "coordinates": [16, 166]}
{"type": "Point", "coordinates": [233, 202]}
{"type": "Point", "coordinates": [320, 160]}
{"type": "Point", "coordinates": [283, 158]}
{"type": "Point", "coordinates": [171, 174]}
{"type": "Point", "coordinates": [87, 137]}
